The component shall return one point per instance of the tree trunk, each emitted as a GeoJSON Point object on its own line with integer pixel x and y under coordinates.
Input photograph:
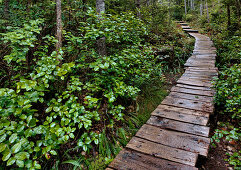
{"type": "Point", "coordinates": [207, 12]}
{"type": "Point", "coordinates": [185, 5]}
{"type": "Point", "coordinates": [138, 7]}
{"type": "Point", "coordinates": [6, 9]}
{"type": "Point", "coordinates": [101, 45]}
{"type": "Point", "coordinates": [229, 16]}
{"type": "Point", "coordinates": [238, 12]}
{"type": "Point", "coordinates": [58, 24]}
{"type": "Point", "coordinates": [28, 6]}
{"type": "Point", "coordinates": [201, 9]}
{"type": "Point", "coordinates": [169, 5]}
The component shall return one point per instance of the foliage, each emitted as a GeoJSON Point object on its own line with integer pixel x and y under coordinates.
{"type": "Point", "coordinates": [59, 107]}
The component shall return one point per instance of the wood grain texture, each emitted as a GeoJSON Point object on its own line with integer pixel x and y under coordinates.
{"type": "Point", "coordinates": [192, 143]}
{"type": "Point", "coordinates": [133, 160]}
{"type": "Point", "coordinates": [161, 151]}
{"type": "Point", "coordinates": [189, 104]}
{"type": "Point", "coordinates": [165, 123]}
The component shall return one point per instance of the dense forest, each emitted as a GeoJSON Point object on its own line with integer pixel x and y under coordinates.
{"type": "Point", "coordinates": [79, 78]}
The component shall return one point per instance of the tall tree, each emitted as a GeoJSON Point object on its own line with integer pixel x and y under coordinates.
{"type": "Point", "coordinates": [101, 45]}
{"type": "Point", "coordinates": [238, 6]}
{"type": "Point", "coordinates": [58, 24]}
{"type": "Point", "coordinates": [138, 7]}
{"type": "Point", "coordinates": [185, 5]}
{"type": "Point", "coordinates": [6, 9]}
{"type": "Point", "coordinates": [207, 11]}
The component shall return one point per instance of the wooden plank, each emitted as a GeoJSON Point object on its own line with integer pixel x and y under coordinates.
{"type": "Point", "coordinates": [160, 151]}
{"type": "Point", "coordinates": [174, 115]}
{"type": "Point", "coordinates": [199, 65]}
{"type": "Point", "coordinates": [202, 60]}
{"type": "Point", "coordinates": [167, 108]}
{"type": "Point", "coordinates": [184, 24]}
{"type": "Point", "coordinates": [194, 88]}
{"type": "Point", "coordinates": [199, 76]}
{"type": "Point", "coordinates": [190, 30]}
{"type": "Point", "coordinates": [205, 69]}
{"type": "Point", "coordinates": [109, 169]}
{"type": "Point", "coordinates": [179, 140]}
{"type": "Point", "coordinates": [186, 27]}
{"type": "Point", "coordinates": [189, 104]}
{"type": "Point", "coordinates": [192, 97]}
{"type": "Point", "coordinates": [199, 92]}
{"type": "Point", "coordinates": [194, 82]}
{"type": "Point", "coordinates": [194, 72]}
{"type": "Point", "coordinates": [165, 123]}
{"type": "Point", "coordinates": [132, 160]}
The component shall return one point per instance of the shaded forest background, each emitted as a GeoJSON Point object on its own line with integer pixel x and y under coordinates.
{"type": "Point", "coordinates": [78, 78]}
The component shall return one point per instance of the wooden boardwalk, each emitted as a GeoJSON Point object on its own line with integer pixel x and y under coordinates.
{"type": "Point", "coordinates": [177, 130]}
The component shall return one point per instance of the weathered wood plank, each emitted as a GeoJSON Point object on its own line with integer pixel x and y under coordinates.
{"type": "Point", "coordinates": [184, 24]}
{"type": "Point", "coordinates": [189, 104]}
{"type": "Point", "coordinates": [179, 140]}
{"type": "Point", "coordinates": [207, 99]}
{"type": "Point", "coordinates": [195, 88]}
{"type": "Point", "coordinates": [182, 110]}
{"type": "Point", "coordinates": [179, 126]}
{"type": "Point", "coordinates": [192, 91]}
{"type": "Point", "coordinates": [133, 160]}
{"type": "Point", "coordinates": [195, 72]}
{"type": "Point", "coordinates": [198, 74]}
{"type": "Point", "coordinates": [194, 82]}
{"type": "Point", "coordinates": [200, 120]}
{"type": "Point", "coordinates": [190, 30]}
{"type": "Point", "coordinates": [161, 151]}
{"type": "Point", "coordinates": [186, 27]}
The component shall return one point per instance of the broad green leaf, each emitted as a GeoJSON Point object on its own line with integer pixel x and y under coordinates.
{"type": "Point", "coordinates": [11, 161]}
{"type": "Point", "coordinates": [53, 152]}
{"type": "Point", "coordinates": [6, 155]}
{"type": "Point", "coordinates": [20, 163]}
{"type": "Point", "coordinates": [22, 155]}
{"type": "Point", "coordinates": [2, 147]}
{"type": "Point", "coordinates": [2, 138]}
{"type": "Point", "coordinates": [48, 109]}
{"type": "Point", "coordinates": [16, 147]}
{"type": "Point", "coordinates": [13, 137]}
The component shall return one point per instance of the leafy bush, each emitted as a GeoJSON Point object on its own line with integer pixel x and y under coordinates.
{"type": "Point", "coordinates": [52, 98]}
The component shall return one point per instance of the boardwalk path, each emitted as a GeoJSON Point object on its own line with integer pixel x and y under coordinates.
{"type": "Point", "coordinates": [177, 131]}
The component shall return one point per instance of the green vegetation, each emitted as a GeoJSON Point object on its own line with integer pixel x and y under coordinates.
{"type": "Point", "coordinates": [71, 107]}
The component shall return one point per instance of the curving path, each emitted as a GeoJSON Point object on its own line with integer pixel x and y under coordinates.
{"type": "Point", "coordinates": [177, 132]}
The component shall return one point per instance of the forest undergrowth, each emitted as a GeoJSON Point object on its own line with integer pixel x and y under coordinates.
{"type": "Point", "coordinates": [70, 107]}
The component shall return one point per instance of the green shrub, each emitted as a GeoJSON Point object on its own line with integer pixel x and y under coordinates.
{"type": "Point", "coordinates": [55, 98]}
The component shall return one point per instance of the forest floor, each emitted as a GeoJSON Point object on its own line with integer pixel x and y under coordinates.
{"type": "Point", "coordinates": [217, 154]}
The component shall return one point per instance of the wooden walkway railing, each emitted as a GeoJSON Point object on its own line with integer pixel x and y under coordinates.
{"type": "Point", "coordinates": [177, 130]}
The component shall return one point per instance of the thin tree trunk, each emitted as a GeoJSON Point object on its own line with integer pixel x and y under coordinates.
{"type": "Point", "coordinates": [28, 6]}
{"type": "Point", "coordinates": [101, 45]}
{"type": "Point", "coordinates": [138, 7]}
{"type": "Point", "coordinates": [185, 5]}
{"type": "Point", "coordinates": [201, 8]}
{"type": "Point", "coordinates": [207, 12]}
{"type": "Point", "coordinates": [238, 12]}
{"type": "Point", "coordinates": [169, 5]}
{"type": "Point", "coordinates": [229, 17]}
{"type": "Point", "coordinates": [6, 9]}
{"type": "Point", "coordinates": [58, 24]}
